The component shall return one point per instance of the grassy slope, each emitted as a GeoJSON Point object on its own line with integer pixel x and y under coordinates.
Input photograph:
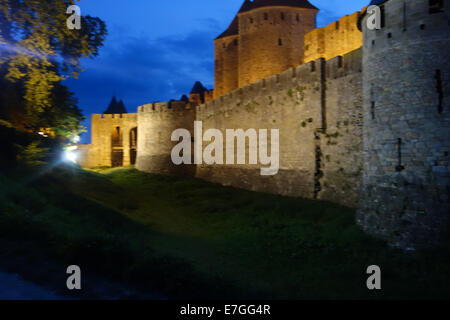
{"type": "Point", "coordinates": [188, 238]}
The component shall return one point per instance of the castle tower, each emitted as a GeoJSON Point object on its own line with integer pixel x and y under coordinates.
{"type": "Point", "coordinates": [271, 36]}
{"type": "Point", "coordinates": [266, 37]}
{"type": "Point", "coordinates": [405, 193]}
{"type": "Point", "coordinates": [226, 60]}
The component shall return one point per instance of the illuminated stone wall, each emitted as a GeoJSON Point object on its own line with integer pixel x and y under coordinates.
{"type": "Point", "coordinates": [99, 152]}
{"type": "Point", "coordinates": [317, 109]}
{"type": "Point", "coordinates": [336, 39]}
{"type": "Point", "coordinates": [156, 122]}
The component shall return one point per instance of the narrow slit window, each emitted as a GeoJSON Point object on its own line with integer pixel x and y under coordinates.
{"type": "Point", "coordinates": [280, 42]}
{"type": "Point", "coordinates": [297, 17]}
{"type": "Point", "coordinates": [440, 90]}
{"type": "Point", "coordinates": [383, 16]}
{"type": "Point", "coordinates": [282, 16]}
{"type": "Point", "coordinates": [399, 166]}
{"type": "Point", "coordinates": [372, 110]}
{"type": "Point", "coordinates": [266, 16]}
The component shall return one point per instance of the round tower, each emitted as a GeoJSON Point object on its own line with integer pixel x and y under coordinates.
{"type": "Point", "coordinates": [271, 36]}
{"type": "Point", "coordinates": [405, 194]}
{"type": "Point", "coordinates": [156, 123]}
{"type": "Point", "coordinates": [226, 60]}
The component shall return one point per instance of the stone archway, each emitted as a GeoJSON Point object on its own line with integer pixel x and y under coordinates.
{"type": "Point", "coordinates": [116, 148]}
{"type": "Point", "coordinates": [133, 146]}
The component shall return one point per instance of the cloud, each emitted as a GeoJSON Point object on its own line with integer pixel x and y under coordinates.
{"type": "Point", "coordinates": [140, 70]}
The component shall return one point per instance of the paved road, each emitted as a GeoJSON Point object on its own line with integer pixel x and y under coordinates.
{"type": "Point", "coordinates": [12, 286]}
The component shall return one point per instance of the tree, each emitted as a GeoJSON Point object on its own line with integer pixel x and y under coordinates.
{"type": "Point", "coordinates": [37, 52]}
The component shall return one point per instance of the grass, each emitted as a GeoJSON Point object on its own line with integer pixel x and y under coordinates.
{"type": "Point", "coordinates": [186, 238]}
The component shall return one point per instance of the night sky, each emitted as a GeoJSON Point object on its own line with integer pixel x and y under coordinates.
{"type": "Point", "coordinates": [156, 50]}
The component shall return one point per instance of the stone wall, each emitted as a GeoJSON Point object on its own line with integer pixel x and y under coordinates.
{"type": "Point", "coordinates": [226, 64]}
{"type": "Point", "coordinates": [156, 123]}
{"type": "Point", "coordinates": [336, 39]}
{"type": "Point", "coordinates": [301, 102]}
{"type": "Point", "coordinates": [99, 152]}
{"type": "Point", "coordinates": [271, 40]}
{"type": "Point", "coordinates": [405, 193]}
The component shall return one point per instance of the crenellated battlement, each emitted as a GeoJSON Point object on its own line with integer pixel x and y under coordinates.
{"type": "Point", "coordinates": [174, 106]}
{"type": "Point", "coordinates": [108, 116]}
{"type": "Point", "coordinates": [304, 74]}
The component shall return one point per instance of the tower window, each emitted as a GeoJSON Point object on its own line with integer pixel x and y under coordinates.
{"type": "Point", "coordinates": [337, 25]}
{"type": "Point", "coordinates": [389, 35]}
{"type": "Point", "coordinates": [235, 42]}
{"type": "Point", "coordinates": [399, 166]}
{"type": "Point", "coordinates": [280, 42]}
{"type": "Point", "coordinates": [440, 90]}
{"type": "Point", "coordinates": [436, 6]}
{"type": "Point", "coordinates": [372, 110]}
{"type": "Point", "coordinates": [251, 20]}
{"type": "Point", "coordinates": [282, 16]}
{"type": "Point", "coordinates": [266, 16]}
{"type": "Point", "coordinates": [297, 17]}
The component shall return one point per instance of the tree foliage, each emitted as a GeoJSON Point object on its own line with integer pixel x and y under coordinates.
{"type": "Point", "coordinates": [37, 52]}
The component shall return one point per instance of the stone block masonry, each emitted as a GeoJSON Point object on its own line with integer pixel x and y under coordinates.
{"type": "Point", "coordinates": [156, 123]}
{"type": "Point", "coordinates": [103, 128]}
{"type": "Point", "coordinates": [337, 38]}
{"type": "Point", "coordinates": [406, 181]}
{"type": "Point", "coordinates": [301, 102]}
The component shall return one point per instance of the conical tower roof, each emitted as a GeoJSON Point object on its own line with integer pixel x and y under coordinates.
{"type": "Point", "coordinates": [277, 3]}
{"type": "Point", "coordinates": [115, 107]}
{"type": "Point", "coordinates": [248, 5]}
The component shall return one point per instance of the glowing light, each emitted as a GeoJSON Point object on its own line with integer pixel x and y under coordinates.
{"type": "Point", "coordinates": [71, 148]}
{"type": "Point", "coordinates": [76, 139]}
{"type": "Point", "coordinates": [41, 133]}
{"type": "Point", "coordinates": [70, 156]}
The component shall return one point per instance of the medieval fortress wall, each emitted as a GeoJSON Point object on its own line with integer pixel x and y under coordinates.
{"type": "Point", "coordinates": [99, 152]}
{"type": "Point", "coordinates": [156, 122]}
{"type": "Point", "coordinates": [405, 190]}
{"type": "Point", "coordinates": [317, 108]}
{"type": "Point", "coordinates": [365, 126]}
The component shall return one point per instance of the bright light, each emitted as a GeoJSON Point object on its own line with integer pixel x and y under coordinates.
{"type": "Point", "coordinates": [76, 139]}
{"type": "Point", "coordinates": [71, 148]}
{"type": "Point", "coordinates": [41, 133]}
{"type": "Point", "coordinates": [70, 156]}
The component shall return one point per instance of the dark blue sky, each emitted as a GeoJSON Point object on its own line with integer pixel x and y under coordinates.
{"type": "Point", "coordinates": [156, 50]}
